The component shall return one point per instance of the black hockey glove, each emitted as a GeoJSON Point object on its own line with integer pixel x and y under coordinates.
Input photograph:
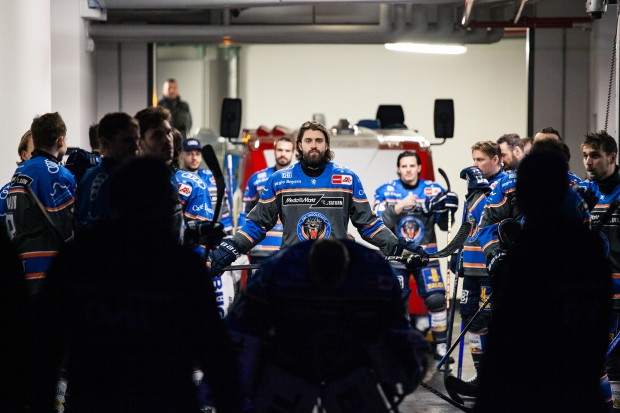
{"type": "Point", "coordinates": [418, 257]}
{"type": "Point", "coordinates": [495, 261]}
{"type": "Point", "coordinates": [589, 194]}
{"type": "Point", "coordinates": [453, 264]}
{"type": "Point", "coordinates": [206, 233]}
{"type": "Point", "coordinates": [222, 257]}
{"type": "Point", "coordinates": [80, 161]}
{"type": "Point", "coordinates": [475, 179]}
{"type": "Point", "coordinates": [442, 202]}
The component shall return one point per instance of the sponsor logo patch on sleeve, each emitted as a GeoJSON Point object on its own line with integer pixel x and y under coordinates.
{"type": "Point", "coordinates": [431, 191]}
{"type": "Point", "coordinates": [342, 179]}
{"type": "Point", "coordinates": [185, 189]}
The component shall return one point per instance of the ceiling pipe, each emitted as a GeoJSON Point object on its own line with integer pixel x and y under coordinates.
{"type": "Point", "coordinates": [443, 31]}
{"type": "Point", "coordinates": [210, 4]}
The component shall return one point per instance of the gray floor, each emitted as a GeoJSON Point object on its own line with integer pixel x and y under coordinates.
{"type": "Point", "coordinates": [423, 400]}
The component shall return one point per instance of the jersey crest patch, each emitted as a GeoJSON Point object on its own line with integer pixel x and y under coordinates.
{"type": "Point", "coordinates": [313, 225]}
{"type": "Point", "coordinates": [342, 179]}
{"type": "Point", "coordinates": [411, 227]}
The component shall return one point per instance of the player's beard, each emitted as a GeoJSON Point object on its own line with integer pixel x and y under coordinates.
{"type": "Point", "coordinates": [283, 162]}
{"type": "Point", "coordinates": [314, 158]}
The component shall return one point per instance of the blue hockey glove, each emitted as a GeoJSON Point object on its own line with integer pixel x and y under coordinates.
{"type": "Point", "coordinates": [475, 179]}
{"type": "Point", "coordinates": [222, 256]}
{"type": "Point", "coordinates": [442, 202]}
{"type": "Point", "coordinates": [495, 262]}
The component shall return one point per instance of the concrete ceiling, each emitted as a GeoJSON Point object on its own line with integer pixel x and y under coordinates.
{"type": "Point", "coordinates": [332, 22]}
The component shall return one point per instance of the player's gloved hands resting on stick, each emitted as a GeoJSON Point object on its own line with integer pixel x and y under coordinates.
{"type": "Point", "coordinates": [417, 258]}
{"type": "Point", "coordinates": [222, 256]}
{"type": "Point", "coordinates": [208, 233]}
{"type": "Point", "coordinates": [442, 202]}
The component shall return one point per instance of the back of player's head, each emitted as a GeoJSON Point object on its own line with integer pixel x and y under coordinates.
{"type": "Point", "coordinates": [406, 154]}
{"type": "Point", "coordinates": [113, 123]}
{"type": "Point", "coordinates": [551, 145]}
{"type": "Point", "coordinates": [46, 129]}
{"type": "Point", "coordinates": [151, 117]}
{"type": "Point", "coordinates": [328, 262]}
{"type": "Point", "coordinates": [542, 184]}
{"type": "Point", "coordinates": [142, 191]}
{"type": "Point", "coordinates": [600, 141]}
{"type": "Point", "coordinates": [315, 126]}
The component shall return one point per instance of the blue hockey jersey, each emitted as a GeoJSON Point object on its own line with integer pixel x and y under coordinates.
{"type": "Point", "coordinates": [195, 199]}
{"type": "Point", "coordinates": [36, 236]}
{"type": "Point", "coordinates": [252, 192]}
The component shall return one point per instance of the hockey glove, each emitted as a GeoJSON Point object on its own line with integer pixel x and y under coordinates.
{"type": "Point", "coordinates": [589, 193]}
{"type": "Point", "coordinates": [442, 202]}
{"type": "Point", "coordinates": [475, 179]}
{"type": "Point", "coordinates": [222, 256]}
{"type": "Point", "coordinates": [207, 233]}
{"type": "Point", "coordinates": [418, 257]}
{"type": "Point", "coordinates": [495, 262]}
{"type": "Point", "coordinates": [453, 263]}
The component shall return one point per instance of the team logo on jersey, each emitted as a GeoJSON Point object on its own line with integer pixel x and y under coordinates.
{"type": "Point", "coordinates": [313, 181]}
{"type": "Point", "coordinates": [431, 191]}
{"type": "Point", "coordinates": [342, 179]}
{"type": "Point", "coordinates": [185, 190]}
{"type": "Point", "coordinates": [313, 225]}
{"type": "Point", "coordinates": [411, 227]}
{"type": "Point", "coordinates": [212, 180]}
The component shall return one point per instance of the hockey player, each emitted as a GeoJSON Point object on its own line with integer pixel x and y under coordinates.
{"type": "Point", "coordinates": [118, 136]}
{"type": "Point", "coordinates": [133, 326]}
{"type": "Point", "coordinates": [40, 200]}
{"type": "Point", "coordinates": [511, 147]}
{"type": "Point", "coordinates": [547, 307]}
{"type": "Point", "coordinates": [283, 150]}
{"type": "Point", "coordinates": [190, 159]}
{"type": "Point", "coordinates": [411, 207]}
{"type": "Point", "coordinates": [328, 315]}
{"type": "Point", "coordinates": [314, 199]}
{"type": "Point", "coordinates": [600, 156]}
{"type": "Point", "coordinates": [481, 178]}
{"type": "Point", "coordinates": [24, 150]}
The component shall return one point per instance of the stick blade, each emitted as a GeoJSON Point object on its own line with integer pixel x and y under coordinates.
{"type": "Point", "coordinates": [208, 154]}
{"type": "Point", "coordinates": [456, 243]}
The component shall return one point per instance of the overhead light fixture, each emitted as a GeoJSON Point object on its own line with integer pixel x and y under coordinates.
{"type": "Point", "coordinates": [426, 48]}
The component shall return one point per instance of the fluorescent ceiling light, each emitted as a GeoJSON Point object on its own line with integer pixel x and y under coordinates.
{"type": "Point", "coordinates": [426, 48]}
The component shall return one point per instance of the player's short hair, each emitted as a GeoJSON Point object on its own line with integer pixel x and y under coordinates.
{"type": "Point", "coordinates": [512, 140]}
{"type": "Point", "coordinates": [600, 141]}
{"type": "Point", "coordinates": [46, 129]}
{"type": "Point", "coordinates": [489, 148]}
{"type": "Point", "coordinates": [406, 154]}
{"type": "Point", "coordinates": [553, 131]}
{"type": "Point", "coordinates": [151, 117]}
{"type": "Point", "coordinates": [112, 123]}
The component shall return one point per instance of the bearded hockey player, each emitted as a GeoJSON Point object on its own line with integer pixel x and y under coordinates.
{"type": "Point", "coordinates": [411, 207]}
{"type": "Point", "coordinates": [314, 199]}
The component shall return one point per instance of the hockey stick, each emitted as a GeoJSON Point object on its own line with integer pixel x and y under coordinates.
{"type": "Point", "coordinates": [241, 267]}
{"type": "Point", "coordinates": [451, 315]}
{"type": "Point", "coordinates": [448, 275]}
{"type": "Point", "coordinates": [445, 398]}
{"type": "Point", "coordinates": [208, 154]}
{"type": "Point", "coordinates": [465, 330]}
{"type": "Point", "coordinates": [613, 345]}
{"type": "Point", "coordinates": [47, 217]}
